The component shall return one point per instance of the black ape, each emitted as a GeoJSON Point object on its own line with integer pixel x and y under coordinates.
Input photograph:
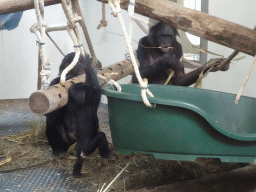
{"type": "Point", "coordinates": [60, 125]}
{"type": "Point", "coordinates": [78, 119]}
{"type": "Point", "coordinates": [83, 103]}
{"type": "Point", "coordinates": [153, 61]}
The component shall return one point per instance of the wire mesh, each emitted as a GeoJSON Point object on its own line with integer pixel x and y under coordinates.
{"type": "Point", "coordinates": [15, 117]}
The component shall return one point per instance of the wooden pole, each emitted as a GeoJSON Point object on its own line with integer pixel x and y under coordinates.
{"type": "Point", "coordinates": [242, 179]}
{"type": "Point", "coordinates": [11, 6]}
{"type": "Point", "coordinates": [208, 27]}
{"type": "Point", "coordinates": [45, 101]}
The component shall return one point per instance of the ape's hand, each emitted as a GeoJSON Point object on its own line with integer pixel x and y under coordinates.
{"type": "Point", "coordinates": [215, 63]}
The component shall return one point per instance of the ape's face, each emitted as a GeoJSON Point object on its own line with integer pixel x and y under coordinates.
{"type": "Point", "coordinates": [164, 37]}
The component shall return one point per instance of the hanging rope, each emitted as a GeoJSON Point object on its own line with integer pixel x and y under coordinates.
{"type": "Point", "coordinates": [239, 94]}
{"type": "Point", "coordinates": [76, 8]}
{"type": "Point", "coordinates": [103, 22]}
{"type": "Point", "coordinates": [39, 30]}
{"type": "Point", "coordinates": [73, 29]}
{"type": "Point", "coordinates": [115, 7]}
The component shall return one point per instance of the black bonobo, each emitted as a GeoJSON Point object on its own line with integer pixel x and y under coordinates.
{"type": "Point", "coordinates": [78, 120]}
{"type": "Point", "coordinates": [60, 124]}
{"type": "Point", "coordinates": [154, 61]}
{"type": "Point", "coordinates": [83, 103]}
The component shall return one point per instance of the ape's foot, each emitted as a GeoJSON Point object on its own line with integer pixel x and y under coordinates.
{"type": "Point", "coordinates": [78, 175]}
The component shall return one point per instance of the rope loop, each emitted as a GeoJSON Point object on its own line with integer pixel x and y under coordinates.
{"type": "Point", "coordinates": [112, 82]}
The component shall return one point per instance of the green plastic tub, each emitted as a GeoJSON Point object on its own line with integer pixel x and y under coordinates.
{"type": "Point", "coordinates": [186, 123]}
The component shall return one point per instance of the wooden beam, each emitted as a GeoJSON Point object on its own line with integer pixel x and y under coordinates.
{"type": "Point", "coordinates": [241, 179]}
{"type": "Point", "coordinates": [11, 6]}
{"type": "Point", "coordinates": [208, 27]}
{"type": "Point", "coordinates": [45, 101]}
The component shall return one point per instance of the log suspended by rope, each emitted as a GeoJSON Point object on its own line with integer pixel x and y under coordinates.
{"type": "Point", "coordinates": [45, 101]}
{"type": "Point", "coordinates": [208, 27]}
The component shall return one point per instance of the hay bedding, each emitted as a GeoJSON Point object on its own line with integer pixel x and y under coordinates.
{"type": "Point", "coordinates": [31, 149]}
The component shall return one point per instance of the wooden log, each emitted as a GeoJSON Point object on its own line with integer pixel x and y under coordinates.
{"type": "Point", "coordinates": [242, 179]}
{"type": "Point", "coordinates": [198, 23]}
{"type": "Point", "coordinates": [45, 101]}
{"type": "Point", "coordinates": [11, 6]}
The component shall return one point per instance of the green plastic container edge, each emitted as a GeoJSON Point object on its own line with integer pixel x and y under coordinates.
{"type": "Point", "coordinates": [177, 103]}
{"type": "Point", "coordinates": [186, 157]}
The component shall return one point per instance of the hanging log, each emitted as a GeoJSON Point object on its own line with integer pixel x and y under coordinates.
{"type": "Point", "coordinates": [242, 179]}
{"type": "Point", "coordinates": [11, 6]}
{"type": "Point", "coordinates": [45, 101]}
{"type": "Point", "coordinates": [198, 23]}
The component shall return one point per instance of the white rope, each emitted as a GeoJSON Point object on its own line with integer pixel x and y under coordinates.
{"type": "Point", "coordinates": [115, 7]}
{"type": "Point", "coordinates": [131, 13]}
{"type": "Point", "coordinates": [239, 94]}
{"type": "Point", "coordinates": [39, 30]}
{"type": "Point", "coordinates": [118, 87]}
{"type": "Point", "coordinates": [73, 29]}
{"type": "Point", "coordinates": [111, 81]}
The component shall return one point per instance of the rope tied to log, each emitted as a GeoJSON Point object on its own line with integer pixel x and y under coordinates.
{"type": "Point", "coordinates": [115, 7]}
{"type": "Point", "coordinates": [111, 82]}
{"type": "Point", "coordinates": [73, 28]}
{"type": "Point", "coordinates": [39, 30]}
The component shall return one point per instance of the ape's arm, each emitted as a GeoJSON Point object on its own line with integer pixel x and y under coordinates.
{"type": "Point", "coordinates": [91, 75]}
{"type": "Point", "coordinates": [191, 77]}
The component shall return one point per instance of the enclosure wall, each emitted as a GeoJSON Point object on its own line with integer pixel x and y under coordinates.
{"type": "Point", "coordinates": [243, 13]}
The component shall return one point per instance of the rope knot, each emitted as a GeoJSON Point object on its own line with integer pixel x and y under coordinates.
{"type": "Point", "coordinates": [115, 7]}
{"type": "Point", "coordinates": [103, 23]}
{"type": "Point", "coordinates": [115, 13]}
{"type": "Point", "coordinates": [34, 28]}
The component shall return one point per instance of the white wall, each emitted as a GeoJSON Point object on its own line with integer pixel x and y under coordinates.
{"type": "Point", "coordinates": [243, 13]}
{"type": "Point", "coordinates": [19, 53]}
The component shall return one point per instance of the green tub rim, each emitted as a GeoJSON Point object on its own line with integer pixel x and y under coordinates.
{"type": "Point", "coordinates": [109, 92]}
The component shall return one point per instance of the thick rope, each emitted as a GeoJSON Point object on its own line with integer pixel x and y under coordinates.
{"type": "Point", "coordinates": [239, 94]}
{"type": "Point", "coordinates": [72, 26]}
{"type": "Point", "coordinates": [103, 22]}
{"type": "Point", "coordinates": [76, 7]}
{"type": "Point", "coordinates": [115, 7]}
{"type": "Point", "coordinates": [39, 30]}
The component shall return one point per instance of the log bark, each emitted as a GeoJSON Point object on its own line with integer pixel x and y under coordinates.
{"type": "Point", "coordinates": [45, 101]}
{"type": "Point", "coordinates": [242, 179]}
{"type": "Point", "coordinates": [208, 27]}
{"type": "Point", "coordinates": [11, 6]}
